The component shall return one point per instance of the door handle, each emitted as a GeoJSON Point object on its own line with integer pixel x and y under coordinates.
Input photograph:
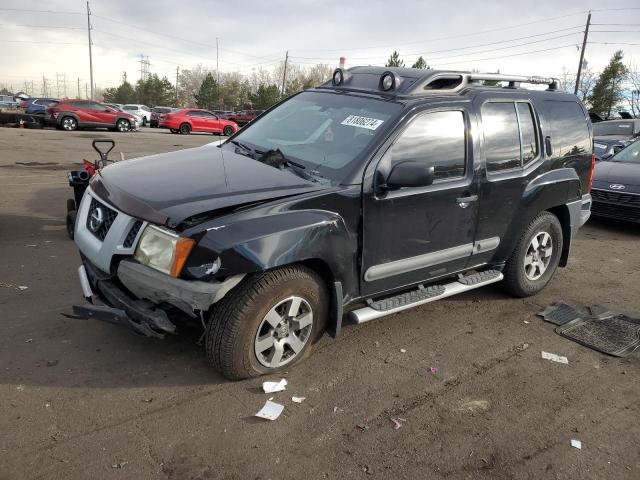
{"type": "Point", "coordinates": [463, 202]}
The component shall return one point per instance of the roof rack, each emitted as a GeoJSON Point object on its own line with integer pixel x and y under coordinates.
{"type": "Point", "coordinates": [417, 82]}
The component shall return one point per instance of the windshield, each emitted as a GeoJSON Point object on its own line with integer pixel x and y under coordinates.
{"type": "Point", "coordinates": [322, 131]}
{"type": "Point", "coordinates": [631, 154]}
{"type": "Point", "coordinates": [130, 107]}
{"type": "Point", "coordinates": [613, 128]}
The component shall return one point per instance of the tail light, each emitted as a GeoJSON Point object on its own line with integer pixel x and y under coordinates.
{"type": "Point", "coordinates": [591, 170]}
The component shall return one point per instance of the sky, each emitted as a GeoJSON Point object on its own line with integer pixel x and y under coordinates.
{"type": "Point", "coordinates": [518, 37]}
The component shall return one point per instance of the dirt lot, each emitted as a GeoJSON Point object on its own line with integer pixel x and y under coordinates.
{"type": "Point", "coordinates": [81, 399]}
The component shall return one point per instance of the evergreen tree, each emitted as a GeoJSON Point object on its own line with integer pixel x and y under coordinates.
{"type": "Point", "coordinates": [265, 96]}
{"type": "Point", "coordinates": [394, 60]}
{"type": "Point", "coordinates": [607, 92]}
{"type": "Point", "coordinates": [207, 96]}
{"type": "Point", "coordinates": [154, 91]}
{"type": "Point", "coordinates": [125, 93]}
{"type": "Point", "coordinates": [421, 63]}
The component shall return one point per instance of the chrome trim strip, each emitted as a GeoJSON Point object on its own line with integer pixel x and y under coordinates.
{"type": "Point", "coordinates": [405, 265]}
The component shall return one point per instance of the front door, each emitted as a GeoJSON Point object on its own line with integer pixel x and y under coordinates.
{"type": "Point", "coordinates": [413, 234]}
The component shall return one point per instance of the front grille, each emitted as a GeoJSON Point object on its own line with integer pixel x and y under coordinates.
{"type": "Point", "coordinates": [621, 212]}
{"type": "Point", "coordinates": [615, 197]}
{"type": "Point", "coordinates": [107, 216]}
{"type": "Point", "coordinates": [133, 233]}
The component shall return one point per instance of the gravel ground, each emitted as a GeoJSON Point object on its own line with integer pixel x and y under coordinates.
{"type": "Point", "coordinates": [82, 399]}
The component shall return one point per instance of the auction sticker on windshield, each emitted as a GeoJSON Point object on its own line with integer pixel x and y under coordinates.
{"type": "Point", "coordinates": [362, 122]}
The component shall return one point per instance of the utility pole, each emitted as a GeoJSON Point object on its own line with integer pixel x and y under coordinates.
{"type": "Point", "coordinates": [584, 45]}
{"type": "Point", "coordinates": [177, 73]}
{"type": "Point", "coordinates": [90, 52]}
{"type": "Point", "coordinates": [79, 87]}
{"type": "Point", "coordinates": [217, 75]}
{"type": "Point", "coordinates": [86, 90]}
{"type": "Point", "coordinates": [284, 74]}
{"type": "Point", "coordinates": [44, 87]}
{"type": "Point", "coordinates": [124, 77]}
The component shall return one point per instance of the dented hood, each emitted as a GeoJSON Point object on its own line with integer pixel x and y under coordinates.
{"type": "Point", "coordinates": [168, 188]}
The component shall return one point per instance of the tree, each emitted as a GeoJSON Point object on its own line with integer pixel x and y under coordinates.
{"type": "Point", "coordinates": [394, 60]}
{"type": "Point", "coordinates": [4, 91]}
{"type": "Point", "coordinates": [207, 96]}
{"type": "Point", "coordinates": [633, 94]}
{"type": "Point", "coordinates": [154, 91]}
{"type": "Point", "coordinates": [265, 96]}
{"type": "Point", "coordinates": [190, 81]}
{"type": "Point", "coordinates": [125, 93]}
{"type": "Point", "coordinates": [421, 63]}
{"type": "Point", "coordinates": [607, 91]}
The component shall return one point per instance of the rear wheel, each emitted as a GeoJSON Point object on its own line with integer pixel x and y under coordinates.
{"type": "Point", "coordinates": [71, 223]}
{"type": "Point", "coordinates": [536, 256]}
{"type": "Point", "coordinates": [267, 323]}
{"type": "Point", "coordinates": [69, 124]}
{"type": "Point", "coordinates": [185, 129]}
{"type": "Point", "coordinates": [123, 125]}
{"type": "Point", "coordinates": [228, 130]}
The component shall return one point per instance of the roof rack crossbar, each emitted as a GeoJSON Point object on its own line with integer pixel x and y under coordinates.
{"type": "Point", "coordinates": [553, 83]}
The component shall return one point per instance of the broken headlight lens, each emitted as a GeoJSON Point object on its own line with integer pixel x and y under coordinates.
{"type": "Point", "coordinates": [163, 250]}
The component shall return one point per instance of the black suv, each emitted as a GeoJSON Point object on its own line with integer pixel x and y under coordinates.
{"type": "Point", "coordinates": [381, 190]}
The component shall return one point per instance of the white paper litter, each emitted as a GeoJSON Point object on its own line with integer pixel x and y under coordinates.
{"type": "Point", "coordinates": [22, 287]}
{"type": "Point", "coordinates": [554, 358]}
{"type": "Point", "coordinates": [272, 387]}
{"type": "Point", "coordinates": [576, 444]}
{"type": "Point", "coordinates": [403, 350]}
{"type": "Point", "coordinates": [298, 399]}
{"type": "Point", "coordinates": [270, 411]}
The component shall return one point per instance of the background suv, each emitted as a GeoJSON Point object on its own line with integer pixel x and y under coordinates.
{"type": "Point", "coordinates": [244, 116]}
{"type": "Point", "coordinates": [142, 111]}
{"type": "Point", "coordinates": [73, 114]}
{"type": "Point", "coordinates": [38, 106]}
{"type": "Point", "coordinates": [156, 112]}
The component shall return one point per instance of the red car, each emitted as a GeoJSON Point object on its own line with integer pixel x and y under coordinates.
{"type": "Point", "coordinates": [73, 114]}
{"type": "Point", "coordinates": [244, 116]}
{"type": "Point", "coordinates": [196, 120]}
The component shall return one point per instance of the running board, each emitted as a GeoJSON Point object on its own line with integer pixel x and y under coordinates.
{"type": "Point", "coordinates": [420, 296]}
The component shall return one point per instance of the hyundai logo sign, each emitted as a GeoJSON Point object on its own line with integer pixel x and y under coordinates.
{"type": "Point", "coordinates": [617, 186]}
{"type": "Point", "coordinates": [96, 219]}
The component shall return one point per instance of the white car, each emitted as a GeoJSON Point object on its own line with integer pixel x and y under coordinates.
{"type": "Point", "coordinates": [142, 111]}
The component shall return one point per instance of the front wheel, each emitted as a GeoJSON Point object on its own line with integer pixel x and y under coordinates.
{"type": "Point", "coordinates": [173, 130]}
{"type": "Point", "coordinates": [185, 129]}
{"type": "Point", "coordinates": [536, 256]}
{"type": "Point", "coordinates": [123, 125]}
{"type": "Point", "coordinates": [228, 130]}
{"type": "Point", "coordinates": [268, 323]}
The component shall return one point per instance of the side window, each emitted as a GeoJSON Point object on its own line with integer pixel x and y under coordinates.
{"type": "Point", "coordinates": [501, 136]}
{"type": "Point", "coordinates": [194, 113]}
{"type": "Point", "coordinates": [569, 131]}
{"type": "Point", "coordinates": [438, 140]}
{"type": "Point", "coordinates": [527, 133]}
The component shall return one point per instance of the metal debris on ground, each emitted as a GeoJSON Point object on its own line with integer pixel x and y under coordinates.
{"type": "Point", "coordinates": [119, 465]}
{"type": "Point", "coordinates": [576, 444]}
{"type": "Point", "coordinates": [396, 424]}
{"type": "Point", "coordinates": [273, 387]}
{"type": "Point", "coordinates": [270, 410]}
{"type": "Point", "coordinates": [298, 399]}
{"type": "Point", "coordinates": [554, 358]}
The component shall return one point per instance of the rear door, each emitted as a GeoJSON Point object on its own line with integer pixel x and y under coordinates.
{"type": "Point", "coordinates": [197, 120]}
{"type": "Point", "coordinates": [213, 123]}
{"type": "Point", "coordinates": [511, 140]}
{"type": "Point", "coordinates": [420, 233]}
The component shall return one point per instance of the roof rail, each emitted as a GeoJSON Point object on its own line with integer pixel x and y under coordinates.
{"type": "Point", "coordinates": [514, 80]}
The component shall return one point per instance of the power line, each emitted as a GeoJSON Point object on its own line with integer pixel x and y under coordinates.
{"type": "Point", "coordinates": [613, 43]}
{"type": "Point", "coordinates": [37, 42]}
{"type": "Point", "coordinates": [40, 11]}
{"type": "Point", "coordinates": [39, 26]}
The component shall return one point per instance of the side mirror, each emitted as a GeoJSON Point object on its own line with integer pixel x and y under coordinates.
{"type": "Point", "coordinates": [410, 174]}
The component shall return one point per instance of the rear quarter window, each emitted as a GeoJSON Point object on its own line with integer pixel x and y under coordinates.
{"type": "Point", "coordinates": [569, 130]}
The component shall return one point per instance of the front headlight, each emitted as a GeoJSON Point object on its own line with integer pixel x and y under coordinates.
{"type": "Point", "coordinates": [163, 250]}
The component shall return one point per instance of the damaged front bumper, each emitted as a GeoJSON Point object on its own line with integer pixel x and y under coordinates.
{"type": "Point", "coordinates": [146, 291]}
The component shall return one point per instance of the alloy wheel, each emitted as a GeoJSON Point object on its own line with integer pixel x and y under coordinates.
{"type": "Point", "coordinates": [538, 256]}
{"type": "Point", "coordinates": [284, 332]}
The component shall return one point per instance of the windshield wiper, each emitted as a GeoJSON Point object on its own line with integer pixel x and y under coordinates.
{"type": "Point", "coordinates": [244, 147]}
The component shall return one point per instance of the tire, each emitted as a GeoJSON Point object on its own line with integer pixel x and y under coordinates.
{"type": "Point", "coordinates": [123, 125]}
{"type": "Point", "coordinates": [227, 131]}
{"type": "Point", "coordinates": [528, 271]}
{"type": "Point", "coordinates": [247, 314]}
{"type": "Point", "coordinates": [144, 121]}
{"type": "Point", "coordinates": [71, 204]}
{"type": "Point", "coordinates": [69, 124]}
{"type": "Point", "coordinates": [174, 130]}
{"type": "Point", "coordinates": [71, 223]}
{"type": "Point", "coordinates": [185, 129]}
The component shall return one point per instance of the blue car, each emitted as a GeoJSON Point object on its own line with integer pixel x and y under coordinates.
{"type": "Point", "coordinates": [37, 106]}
